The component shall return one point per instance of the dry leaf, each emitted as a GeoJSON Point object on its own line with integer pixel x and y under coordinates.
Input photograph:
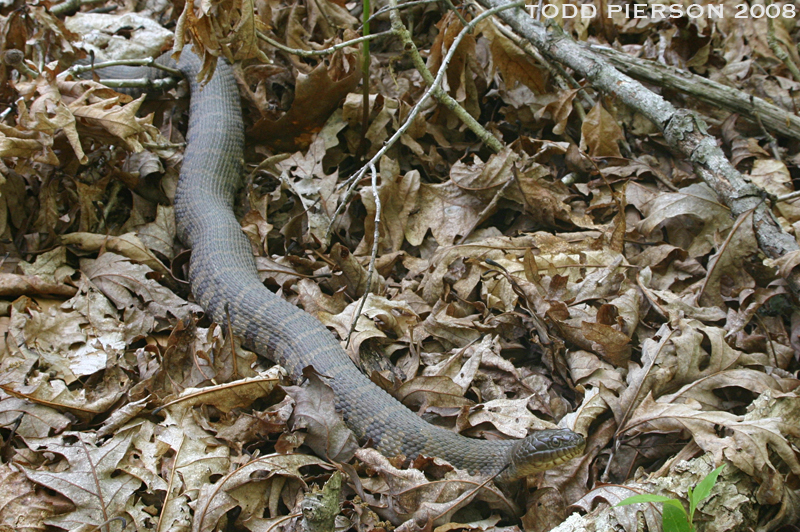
{"type": "Point", "coordinates": [327, 433]}
{"type": "Point", "coordinates": [600, 133]}
{"type": "Point", "coordinates": [89, 478]}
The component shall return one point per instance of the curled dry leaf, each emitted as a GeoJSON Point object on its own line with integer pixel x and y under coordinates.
{"type": "Point", "coordinates": [128, 245]}
{"type": "Point", "coordinates": [198, 457]}
{"type": "Point", "coordinates": [460, 72]}
{"type": "Point", "coordinates": [13, 285]}
{"type": "Point", "coordinates": [317, 94]}
{"type": "Point", "coordinates": [225, 397]}
{"type": "Point", "coordinates": [444, 209]}
{"type": "Point", "coordinates": [693, 214]}
{"type": "Point", "coordinates": [513, 63]}
{"type": "Point", "coordinates": [47, 113]}
{"type": "Point", "coordinates": [748, 441]}
{"type": "Point", "coordinates": [327, 434]}
{"type": "Point", "coordinates": [22, 506]}
{"type": "Point", "coordinates": [627, 516]}
{"type": "Point", "coordinates": [350, 275]}
{"type": "Point", "coordinates": [89, 478]}
{"type": "Point", "coordinates": [510, 416]}
{"type": "Point", "coordinates": [398, 198]}
{"type": "Point", "coordinates": [78, 339]}
{"type": "Point", "coordinates": [432, 392]}
{"type": "Point", "coordinates": [250, 487]}
{"type": "Point", "coordinates": [107, 118]}
{"type": "Point", "coordinates": [26, 144]}
{"type": "Point", "coordinates": [30, 419]}
{"type": "Point", "coordinates": [409, 496]}
{"type": "Point", "coordinates": [601, 133]}
{"type": "Point", "coordinates": [378, 317]}
{"type": "Point", "coordinates": [127, 284]}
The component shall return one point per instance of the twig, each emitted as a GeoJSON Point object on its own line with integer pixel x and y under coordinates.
{"type": "Point", "coordinates": [157, 84]}
{"type": "Point", "coordinates": [773, 142]}
{"type": "Point", "coordinates": [788, 197]}
{"type": "Point", "coordinates": [278, 523]}
{"type": "Point", "coordinates": [449, 102]}
{"type": "Point", "coordinates": [123, 521]}
{"type": "Point", "coordinates": [140, 83]}
{"type": "Point", "coordinates": [16, 59]}
{"type": "Point", "coordinates": [231, 338]}
{"type": "Point", "coordinates": [770, 341]}
{"type": "Point", "coordinates": [111, 204]}
{"type": "Point", "coordinates": [353, 181]}
{"type": "Point", "coordinates": [375, 238]}
{"type": "Point", "coordinates": [71, 5]}
{"type": "Point", "coordinates": [103, 10]}
{"type": "Point", "coordinates": [457, 13]}
{"type": "Point", "coordinates": [365, 60]}
{"type": "Point", "coordinates": [386, 9]}
{"type": "Point", "coordinates": [778, 50]}
{"type": "Point", "coordinates": [684, 131]}
{"type": "Point", "coordinates": [326, 51]}
{"type": "Point", "coordinates": [77, 70]}
{"type": "Point", "coordinates": [164, 146]}
{"type": "Point", "coordinates": [563, 78]}
{"type": "Point", "coordinates": [773, 117]}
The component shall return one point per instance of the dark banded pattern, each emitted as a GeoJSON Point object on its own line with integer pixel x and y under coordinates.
{"type": "Point", "coordinates": [223, 272]}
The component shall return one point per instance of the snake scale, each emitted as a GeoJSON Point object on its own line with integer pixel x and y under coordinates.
{"type": "Point", "coordinates": [222, 272]}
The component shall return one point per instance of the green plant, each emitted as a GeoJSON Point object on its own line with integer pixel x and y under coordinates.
{"type": "Point", "coordinates": [674, 517]}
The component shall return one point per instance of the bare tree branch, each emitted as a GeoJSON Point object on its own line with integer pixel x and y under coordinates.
{"type": "Point", "coordinates": [684, 131]}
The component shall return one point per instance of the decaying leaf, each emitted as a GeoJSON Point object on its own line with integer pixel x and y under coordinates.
{"type": "Point", "coordinates": [327, 433]}
{"type": "Point", "coordinates": [90, 478]}
{"type": "Point", "coordinates": [128, 286]}
{"type": "Point", "coordinates": [21, 506]}
{"type": "Point", "coordinates": [317, 94]}
{"type": "Point", "coordinates": [692, 215]}
{"type": "Point", "coordinates": [253, 487]}
{"type": "Point", "coordinates": [411, 497]}
{"type": "Point", "coordinates": [600, 133]}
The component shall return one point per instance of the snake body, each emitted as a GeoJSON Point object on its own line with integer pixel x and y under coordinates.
{"type": "Point", "coordinates": [223, 272]}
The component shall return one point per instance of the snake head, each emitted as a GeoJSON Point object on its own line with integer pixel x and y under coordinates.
{"type": "Point", "coordinates": [541, 450]}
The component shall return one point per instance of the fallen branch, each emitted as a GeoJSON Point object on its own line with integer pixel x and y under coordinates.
{"type": "Point", "coordinates": [750, 107]}
{"type": "Point", "coordinates": [684, 131]}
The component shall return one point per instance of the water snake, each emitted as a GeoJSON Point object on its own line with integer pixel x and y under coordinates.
{"type": "Point", "coordinates": [223, 273]}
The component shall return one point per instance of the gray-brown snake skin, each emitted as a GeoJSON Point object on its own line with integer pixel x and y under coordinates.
{"type": "Point", "coordinates": [222, 271]}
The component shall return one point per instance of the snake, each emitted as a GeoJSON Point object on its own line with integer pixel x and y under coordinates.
{"type": "Point", "coordinates": [225, 282]}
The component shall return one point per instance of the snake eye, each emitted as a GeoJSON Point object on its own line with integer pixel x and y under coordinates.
{"type": "Point", "coordinates": [542, 450]}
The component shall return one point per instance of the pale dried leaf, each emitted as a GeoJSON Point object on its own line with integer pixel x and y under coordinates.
{"type": "Point", "coordinates": [127, 284]}
{"type": "Point", "coordinates": [327, 435]}
{"type": "Point", "coordinates": [248, 487]}
{"type": "Point", "coordinates": [91, 481]}
{"type": "Point", "coordinates": [691, 216]}
{"type": "Point", "coordinates": [23, 508]}
{"type": "Point", "coordinates": [600, 133]}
